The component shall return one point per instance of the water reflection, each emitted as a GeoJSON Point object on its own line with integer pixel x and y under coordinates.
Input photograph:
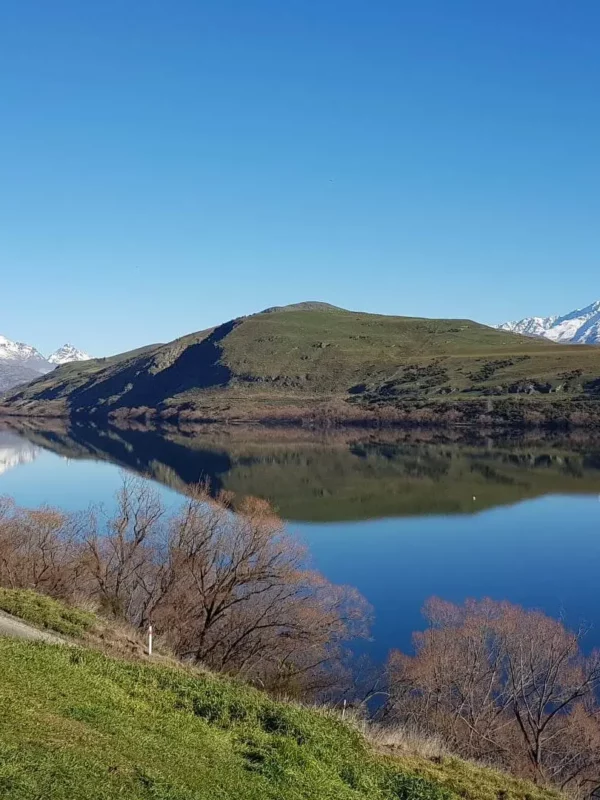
{"type": "Point", "coordinates": [14, 451]}
{"type": "Point", "coordinates": [399, 515]}
{"type": "Point", "coordinates": [350, 475]}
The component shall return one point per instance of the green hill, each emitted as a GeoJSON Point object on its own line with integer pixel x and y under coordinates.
{"type": "Point", "coordinates": [76, 724]}
{"type": "Point", "coordinates": [312, 359]}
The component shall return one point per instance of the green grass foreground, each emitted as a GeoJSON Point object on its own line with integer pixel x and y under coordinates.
{"type": "Point", "coordinates": [78, 725]}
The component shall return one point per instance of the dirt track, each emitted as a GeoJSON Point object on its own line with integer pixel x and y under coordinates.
{"type": "Point", "coordinates": [10, 626]}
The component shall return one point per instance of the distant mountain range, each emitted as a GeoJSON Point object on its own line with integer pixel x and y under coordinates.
{"type": "Point", "coordinates": [21, 363]}
{"type": "Point", "coordinates": [581, 326]}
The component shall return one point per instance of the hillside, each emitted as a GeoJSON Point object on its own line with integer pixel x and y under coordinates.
{"type": "Point", "coordinates": [296, 361]}
{"type": "Point", "coordinates": [76, 724]}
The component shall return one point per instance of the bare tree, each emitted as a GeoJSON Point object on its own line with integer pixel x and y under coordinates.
{"type": "Point", "coordinates": [453, 686]}
{"type": "Point", "coordinates": [38, 549]}
{"type": "Point", "coordinates": [512, 686]}
{"type": "Point", "coordinates": [230, 589]}
{"type": "Point", "coordinates": [546, 677]}
{"type": "Point", "coordinates": [121, 555]}
{"type": "Point", "coordinates": [241, 599]}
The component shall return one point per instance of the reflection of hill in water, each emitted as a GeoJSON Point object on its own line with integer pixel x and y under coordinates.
{"type": "Point", "coordinates": [354, 475]}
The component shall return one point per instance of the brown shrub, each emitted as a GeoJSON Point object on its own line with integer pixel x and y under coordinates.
{"type": "Point", "coordinates": [229, 590]}
{"type": "Point", "coordinates": [510, 686]}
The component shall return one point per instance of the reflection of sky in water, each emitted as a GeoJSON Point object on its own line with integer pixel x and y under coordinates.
{"type": "Point", "coordinates": [542, 553]}
{"type": "Point", "coordinates": [71, 484]}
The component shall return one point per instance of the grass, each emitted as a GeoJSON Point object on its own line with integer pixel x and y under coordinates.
{"type": "Point", "coordinates": [296, 358]}
{"type": "Point", "coordinates": [429, 758]}
{"type": "Point", "coordinates": [76, 724]}
{"type": "Point", "coordinates": [44, 612]}
{"type": "Point", "coordinates": [475, 781]}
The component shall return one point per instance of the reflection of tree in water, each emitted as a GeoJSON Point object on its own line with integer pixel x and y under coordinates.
{"type": "Point", "coordinates": [423, 462]}
{"type": "Point", "coordinates": [491, 474]}
{"type": "Point", "coordinates": [358, 475]}
{"type": "Point", "coordinates": [591, 460]}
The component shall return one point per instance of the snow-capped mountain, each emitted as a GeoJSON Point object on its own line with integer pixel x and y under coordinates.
{"type": "Point", "coordinates": [579, 327]}
{"type": "Point", "coordinates": [23, 354]}
{"type": "Point", "coordinates": [66, 354]}
{"type": "Point", "coordinates": [21, 363]}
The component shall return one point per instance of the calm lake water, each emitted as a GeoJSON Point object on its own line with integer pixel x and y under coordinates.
{"type": "Point", "coordinates": [400, 516]}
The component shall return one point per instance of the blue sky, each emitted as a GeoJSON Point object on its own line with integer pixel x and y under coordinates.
{"type": "Point", "coordinates": [167, 166]}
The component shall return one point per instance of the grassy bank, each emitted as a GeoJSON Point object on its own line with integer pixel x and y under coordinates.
{"type": "Point", "coordinates": [45, 613]}
{"type": "Point", "coordinates": [76, 724]}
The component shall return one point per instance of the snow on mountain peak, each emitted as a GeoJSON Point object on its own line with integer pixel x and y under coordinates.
{"type": "Point", "coordinates": [581, 326]}
{"type": "Point", "coordinates": [22, 354]}
{"type": "Point", "coordinates": [66, 354]}
{"type": "Point", "coordinates": [21, 363]}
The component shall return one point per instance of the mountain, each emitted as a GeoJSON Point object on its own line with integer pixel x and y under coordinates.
{"type": "Point", "coordinates": [319, 364]}
{"type": "Point", "coordinates": [13, 375]}
{"type": "Point", "coordinates": [22, 354]}
{"type": "Point", "coordinates": [581, 326]}
{"type": "Point", "coordinates": [21, 363]}
{"type": "Point", "coordinates": [66, 354]}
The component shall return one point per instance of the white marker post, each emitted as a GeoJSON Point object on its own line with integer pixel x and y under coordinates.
{"type": "Point", "coordinates": [344, 708]}
{"type": "Point", "coordinates": [149, 640]}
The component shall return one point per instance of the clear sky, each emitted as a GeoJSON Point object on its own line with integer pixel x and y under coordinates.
{"type": "Point", "coordinates": [165, 166]}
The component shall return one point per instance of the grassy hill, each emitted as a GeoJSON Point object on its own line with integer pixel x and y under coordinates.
{"type": "Point", "coordinates": [76, 724]}
{"type": "Point", "coordinates": [313, 359]}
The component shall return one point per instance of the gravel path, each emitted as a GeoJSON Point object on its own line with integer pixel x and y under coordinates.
{"type": "Point", "coordinates": [11, 626]}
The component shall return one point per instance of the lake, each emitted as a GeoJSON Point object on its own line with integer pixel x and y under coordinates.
{"type": "Point", "coordinates": [399, 515]}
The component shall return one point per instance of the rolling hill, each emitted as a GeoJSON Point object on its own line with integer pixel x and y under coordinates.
{"type": "Point", "coordinates": [313, 360]}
